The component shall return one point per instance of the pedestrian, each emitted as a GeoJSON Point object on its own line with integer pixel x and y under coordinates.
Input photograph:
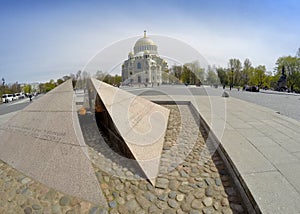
{"type": "Point", "coordinates": [223, 86]}
{"type": "Point", "coordinates": [30, 97]}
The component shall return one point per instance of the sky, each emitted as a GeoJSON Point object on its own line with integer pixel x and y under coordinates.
{"type": "Point", "coordinates": [43, 40]}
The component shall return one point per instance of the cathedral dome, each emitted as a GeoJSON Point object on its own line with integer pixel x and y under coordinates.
{"type": "Point", "coordinates": [130, 55]}
{"type": "Point", "coordinates": [145, 44]}
{"type": "Point", "coordinates": [144, 41]}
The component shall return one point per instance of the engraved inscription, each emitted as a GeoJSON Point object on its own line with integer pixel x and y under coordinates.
{"type": "Point", "coordinates": [44, 134]}
{"type": "Point", "coordinates": [136, 116]}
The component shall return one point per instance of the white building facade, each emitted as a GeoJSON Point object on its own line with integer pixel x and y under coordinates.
{"type": "Point", "coordinates": [143, 65]}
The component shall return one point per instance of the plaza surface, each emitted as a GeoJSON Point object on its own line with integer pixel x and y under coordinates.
{"type": "Point", "coordinates": [263, 147]}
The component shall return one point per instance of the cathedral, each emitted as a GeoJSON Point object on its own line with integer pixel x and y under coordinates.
{"type": "Point", "coordinates": [143, 65]}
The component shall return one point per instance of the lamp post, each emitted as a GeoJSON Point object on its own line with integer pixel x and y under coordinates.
{"type": "Point", "coordinates": [231, 85]}
{"type": "Point", "coordinates": [3, 82]}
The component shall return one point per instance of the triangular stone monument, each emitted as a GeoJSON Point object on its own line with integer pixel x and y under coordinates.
{"type": "Point", "coordinates": [140, 123]}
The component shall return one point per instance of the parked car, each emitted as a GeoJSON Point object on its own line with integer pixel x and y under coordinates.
{"type": "Point", "coordinates": [7, 98]}
{"type": "Point", "coordinates": [4, 98]}
{"type": "Point", "coordinates": [15, 96]}
{"type": "Point", "coordinates": [22, 95]}
{"type": "Point", "coordinates": [251, 88]}
{"type": "Point", "coordinates": [19, 96]}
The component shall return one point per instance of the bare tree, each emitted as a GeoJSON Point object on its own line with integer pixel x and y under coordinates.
{"type": "Point", "coordinates": [246, 72]}
{"type": "Point", "coordinates": [235, 67]}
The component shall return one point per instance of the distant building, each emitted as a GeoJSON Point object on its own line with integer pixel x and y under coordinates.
{"type": "Point", "coordinates": [143, 65]}
{"type": "Point", "coordinates": [35, 87]}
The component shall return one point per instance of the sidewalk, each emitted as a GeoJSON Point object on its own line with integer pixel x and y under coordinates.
{"type": "Point", "coordinates": [263, 148]}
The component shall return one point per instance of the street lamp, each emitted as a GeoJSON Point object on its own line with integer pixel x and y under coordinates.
{"type": "Point", "coordinates": [231, 85]}
{"type": "Point", "coordinates": [3, 82]}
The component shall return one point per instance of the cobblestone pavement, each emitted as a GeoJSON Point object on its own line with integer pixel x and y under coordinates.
{"type": "Point", "coordinates": [21, 194]}
{"type": "Point", "coordinates": [190, 179]}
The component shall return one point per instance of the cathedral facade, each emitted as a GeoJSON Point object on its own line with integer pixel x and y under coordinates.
{"type": "Point", "coordinates": [143, 65]}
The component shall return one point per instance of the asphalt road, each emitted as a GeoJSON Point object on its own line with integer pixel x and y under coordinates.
{"type": "Point", "coordinates": [17, 105]}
